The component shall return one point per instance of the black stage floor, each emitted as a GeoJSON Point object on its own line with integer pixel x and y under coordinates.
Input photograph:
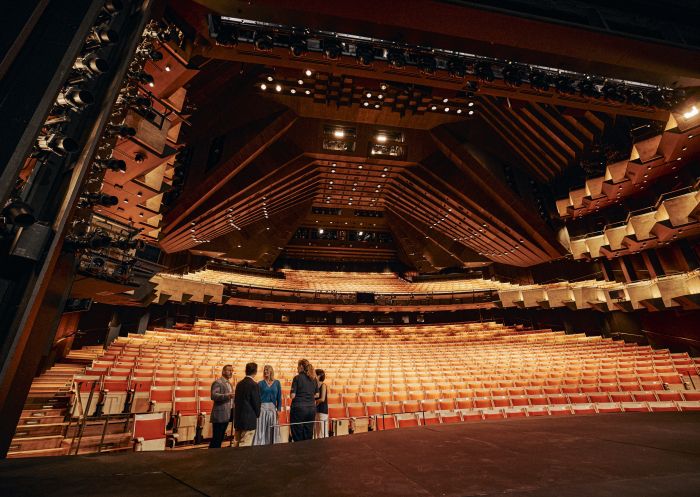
{"type": "Point", "coordinates": [603, 455]}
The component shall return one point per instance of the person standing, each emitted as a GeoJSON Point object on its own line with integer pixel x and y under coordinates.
{"type": "Point", "coordinates": [270, 406]}
{"type": "Point", "coordinates": [222, 395]}
{"type": "Point", "coordinates": [321, 428]}
{"type": "Point", "coordinates": [303, 409]}
{"type": "Point", "coordinates": [246, 407]}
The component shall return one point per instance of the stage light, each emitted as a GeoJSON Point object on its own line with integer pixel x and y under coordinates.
{"type": "Point", "coordinates": [91, 64]}
{"type": "Point", "coordinates": [112, 6]}
{"type": "Point", "coordinates": [102, 35]}
{"type": "Point", "coordinates": [270, 79]}
{"type": "Point", "coordinates": [331, 48]}
{"type": "Point", "coordinates": [360, 233]}
{"type": "Point", "coordinates": [300, 81]}
{"type": "Point", "coordinates": [376, 106]}
{"type": "Point", "coordinates": [613, 92]}
{"type": "Point", "coordinates": [142, 77]}
{"type": "Point", "coordinates": [433, 107]}
{"type": "Point", "coordinates": [116, 165]}
{"type": "Point", "coordinates": [483, 71]}
{"type": "Point", "coordinates": [263, 86]}
{"type": "Point", "coordinates": [307, 92]}
{"type": "Point", "coordinates": [636, 97]}
{"type": "Point", "coordinates": [120, 130]}
{"type": "Point", "coordinates": [278, 88]}
{"type": "Point", "coordinates": [167, 68]}
{"type": "Point", "coordinates": [587, 88]}
{"type": "Point", "coordinates": [383, 87]}
{"type": "Point", "coordinates": [263, 41]}
{"type": "Point", "coordinates": [75, 98]}
{"type": "Point", "coordinates": [366, 104]}
{"type": "Point", "coordinates": [364, 54]}
{"type": "Point", "coordinates": [456, 68]}
{"type": "Point", "coordinates": [459, 111]}
{"type": "Point", "coordinates": [471, 112]}
{"type": "Point", "coordinates": [297, 46]}
{"type": "Point", "coordinates": [155, 55]}
{"type": "Point", "coordinates": [19, 213]}
{"type": "Point", "coordinates": [57, 143]}
{"type": "Point", "coordinates": [512, 75]}
{"type": "Point", "coordinates": [320, 231]}
{"type": "Point", "coordinates": [293, 91]}
{"type": "Point", "coordinates": [308, 72]}
{"type": "Point", "coordinates": [447, 109]}
{"type": "Point", "coordinates": [564, 85]}
{"type": "Point", "coordinates": [339, 133]}
{"type": "Point", "coordinates": [691, 113]}
{"type": "Point", "coordinates": [396, 58]}
{"type": "Point", "coordinates": [381, 138]}
{"type": "Point", "coordinates": [92, 199]}
{"type": "Point", "coordinates": [539, 80]}
{"type": "Point", "coordinates": [427, 64]}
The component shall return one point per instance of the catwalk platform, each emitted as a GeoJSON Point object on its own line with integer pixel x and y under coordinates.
{"type": "Point", "coordinates": [604, 455]}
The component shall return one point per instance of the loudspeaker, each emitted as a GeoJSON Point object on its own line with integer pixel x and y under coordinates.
{"type": "Point", "coordinates": [31, 241]}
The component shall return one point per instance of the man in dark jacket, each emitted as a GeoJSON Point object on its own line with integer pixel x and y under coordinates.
{"type": "Point", "coordinates": [246, 407]}
{"type": "Point", "coordinates": [222, 395]}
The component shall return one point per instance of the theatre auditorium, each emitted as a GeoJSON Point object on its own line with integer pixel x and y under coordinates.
{"type": "Point", "coordinates": [350, 248]}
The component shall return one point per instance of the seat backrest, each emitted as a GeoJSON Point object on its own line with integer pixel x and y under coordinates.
{"type": "Point", "coordinates": [149, 426]}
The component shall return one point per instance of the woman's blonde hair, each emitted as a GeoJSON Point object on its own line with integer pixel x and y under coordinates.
{"type": "Point", "coordinates": [272, 371]}
{"type": "Point", "coordinates": [308, 369]}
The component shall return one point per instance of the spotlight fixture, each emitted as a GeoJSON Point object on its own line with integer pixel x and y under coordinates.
{"type": "Point", "coordinates": [483, 71]}
{"type": "Point", "coordinates": [427, 64]}
{"type": "Point", "coordinates": [364, 54]}
{"type": "Point", "coordinates": [57, 143]}
{"type": "Point", "coordinates": [168, 68]}
{"type": "Point", "coordinates": [19, 213]}
{"type": "Point", "coordinates": [396, 58]}
{"type": "Point", "coordinates": [564, 85]}
{"type": "Point", "coordinates": [658, 97]}
{"type": "Point", "coordinates": [587, 87]}
{"type": "Point", "coordinates": [224, 34]}
{"type": "Point", "coordinates": [636, 97]}
{"type": "Point", "coordinates": [263, 86]}
{"type": "Point", "coordinates": [75, 98]}
{"type": "Point", "coordinates": [298, 46]}
{"type": "Point", "coordinates": [332, 48]}
{"type": "Point", "coordinates": [512, 75]}
{"type": "Point", "coordinates": [142, 77]}
{"type": "Point", "coordinates": [112, 6]}
{"type": "Point", "coordinates": [278, 88]}
{"type": "Point", "coordinates": [92, 199]}
{"type": "Point", "coordinates": [339, 133]}
{"type": "Point", "coordinates": [613, 92]}
{"type": "Point", "coordinates": [102, 35]}
{"type": "Point", "coordinates": [116, 165]}
{"type": "Point", "coordinates": [155, 55]}
{"type": "Point", "coordinates": [120, 130]}
{"type": "Point", "coordinates": [381, 138]}
{"type": "Point", "coordinates": [456, 68]}
{"type": "Point", "coordinates": [91, 64]}
{"type": "Point", "coordinates": [538, 80]}
{"type": "Point", "coordinates": [263, 41]}
{"type": "Point", "coordinates": [308, 72]}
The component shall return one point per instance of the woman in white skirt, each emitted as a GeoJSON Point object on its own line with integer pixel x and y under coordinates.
{"type": "Point", "coordinates": [270, 405]}
{"type": "Point", "coordinates": [321, 428]}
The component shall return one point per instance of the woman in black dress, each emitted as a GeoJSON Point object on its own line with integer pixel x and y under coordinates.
{"type": "Point", "coordinates": [303, 409]}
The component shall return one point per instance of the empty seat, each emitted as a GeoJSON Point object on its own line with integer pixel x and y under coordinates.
{"type": "Point", "coordinates": [560, 410]}
{"type": "Point", "coordinates": [609, 407]}
{"type": "Point", "coordinates": [408, 420]}
{"type": "Point", "coordinates": [515, 412]}
{"type": "Point", "coordinates": [148, 431]}
{"type": "Point", "coordinates": [583, 408]}
{"type": "Point", "coordinates": [450, 416]}
{"type": "Point", "coordinates": [634, 406]}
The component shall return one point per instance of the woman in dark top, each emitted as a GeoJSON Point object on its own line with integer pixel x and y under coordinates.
{"type": "Point", "coordinates": [303, 409]}
{"type": "Point", "coordinates": [321, 405]}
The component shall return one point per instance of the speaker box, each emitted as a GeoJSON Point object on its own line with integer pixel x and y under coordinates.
{"type": "Point", "coordinates": [31, 241]}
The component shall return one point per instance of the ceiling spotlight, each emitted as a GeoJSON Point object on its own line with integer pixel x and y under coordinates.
{"type": "Point", "coordinates": [263, 41]}
{"type": "Point", "coordinates": [471, 112]}
{"type": "Point", "coordinates": [270, 79]}
{"type": "Point", "coordinates": [263, 87]}
{"type": "Point", "coordinates": [459, 111]}
{"type": "Point", "coordinates": [91, 64]}
{"type": "Point", "coordinates": [564, 85]}
{"type": "Point", "coordinates": [376, 106]}
{"type": "Point", "coordinates": [366, 104]}
{"type": "Point", "coordinates": [297, 46]}
{"type": "Point", "coordinates": [339, 133]}
{"type": "Point", "coordinates": [381, 138]}
{"type": "Point", "coordinates": [368, 95]}
{"type": "Point", "coordinates": [433, 107]}
{"type": "Point", "coordinates": [539, 80]}
{"type": "Point", "coordinates": [383, 87]}
{"type": "Point", "coordinates": [447, 109]}
{"type": "Point", "coordinates": [292, 91]}
{"type": "Point", "coordinates": [116, 165]}
{"type": "Point", "coordinates": [456, 68]}
{"type": "Point", "coordinates": [300, 82]}
{"type": "Point", "coordinates": [396, 58]}
{"type": "Point", "coordinates": [75, 98]}
{"type": "Point", "coordinates": [278, 87]}
{"type": "Point", "coordinates": [19, 213]}
{"type": "Point", "coordinates": [427, 64]}
{"type": "Point", "coordinates": [307, 92]}
{"type": "Point", "coordinates": [168, 68]}
{"type": "Point", "coordinates": [483, 71]}
{"type": "Point", "coordinates": [380, 96]}
{"type": "Point", "coordinates": [364, 54]}
{"type": "Point", "coordinates": [512, 75]}
{"type": "Point", "coordinates": [57, 143]}
{"type": "Point", "coordinates": [308, 72]}
{"type": "Point", "coordinates": [320, 231]}
{"type": "Point", "coordinates": [360, 233]}
{"type": "Point", "coordinates": [332, 48]}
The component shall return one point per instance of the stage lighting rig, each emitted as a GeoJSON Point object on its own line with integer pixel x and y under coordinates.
{"type": "Point", "coordinates": [483, 71]}
{"type": "Point", "coordinates": [115, 165]}
{"type": "Point", "coordinates": [142, 77]}
{"type": "Point", "coordinates": [74, 98]}
{"type": "Point", "coordinates": [396, 58]}
{"type": "Point", "coordinates": [263, 41]}
{"type": "Point", "coordinates": [120, 130]}
{"type": "Point", "coordinates": [427, 64]}
{"type": "Point", "coordinates": [91, 64]}
{"type": "Point", "coordinates": [96, 240]}
{"type": "Point", "coordinates": [564, 85]}
{"type": "Point", "coordinates": [539, 80]}
{"type": "Point", "coordinates": [57, 143]}
{"type": "Point", "coordinates": [587, 87]}
{"type": "Point", "coordinates": [364, 54]}
{"type": "Point", "coordinates": [456, 68]}
{"type": "Point", "coordinates": [298, 45]}
{"type": "Point", "coordinates": [512, 75]}
{"type": "Point", "coordinates": [100, 36]}
{"type": "Point", "coordinates": [19, 213]}
{"type": "Point", "coordinates": [332, 48]}
{"type": "Point", "coordinates": [613, 92]}
{"type": "Point", "coordinates": [223, 33]}
{"type": "Point", "coordinates": [93, 199]}
{"type": "Point", "coordinates": [112, 7]}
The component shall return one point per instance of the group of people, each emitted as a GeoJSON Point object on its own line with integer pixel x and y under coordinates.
{"type": "Point", "coordinates": [254, 406]}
